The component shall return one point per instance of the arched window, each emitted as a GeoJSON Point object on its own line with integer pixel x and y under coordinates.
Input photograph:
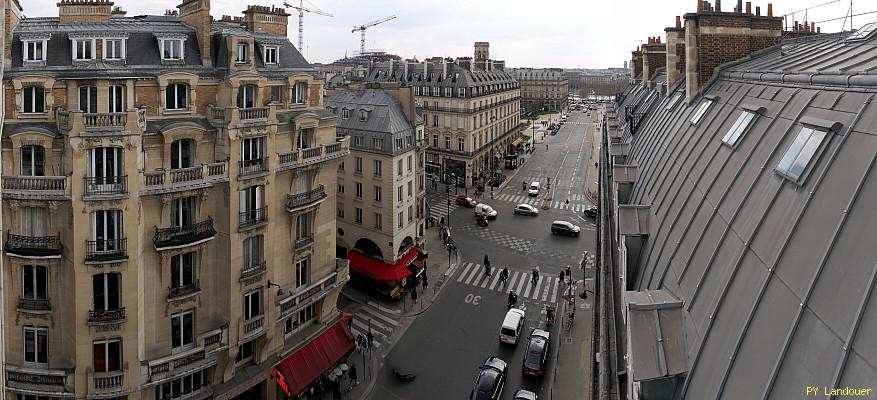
{"type": "Point", "coordinates": [176, 96]}
{"type": "Point", "coordinates": [182, 153]}
{"type": "Point", "coordinates": [246, 96]}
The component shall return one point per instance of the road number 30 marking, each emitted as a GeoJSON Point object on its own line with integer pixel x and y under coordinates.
{"type": "Point", "coordinates": [472, 299]}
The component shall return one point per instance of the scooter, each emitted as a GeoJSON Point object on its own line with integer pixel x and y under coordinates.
{"type": "Point", "coordinates": [549, 316]}
{"type": "Point", "coordinates": [513, 298]}
{"type": "Point", "coordinates": [481, 220]}
{"type": "Point", "coordinates": [405, 378]}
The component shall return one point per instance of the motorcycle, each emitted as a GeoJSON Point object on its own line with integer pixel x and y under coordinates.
{"type": "Point", "coordinates": [481, 220]}
{"type": "Point", "coordinates": [513, 298]}
{"type": "Point", "coordinates": [403, 377]}
{"type": "Point", "coordinates": [549, 316]}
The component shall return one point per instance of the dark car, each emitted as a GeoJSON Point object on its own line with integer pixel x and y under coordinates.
{"type": "Point", "coordinates": [491, 380]}
{"type": "Point", "coordinates": [522, 394]}
{"type": "Point", "coordinates": [591, 211]}
{"type": "Point", "coordinates": [565, 228]}
{"type": "Point", "coordinates": [463, 200]}
{"type": "Point", "coordinates": [537, 353]}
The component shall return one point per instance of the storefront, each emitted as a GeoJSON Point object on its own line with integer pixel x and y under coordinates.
{"type": "Point", "coordinates": [300, 373]}
{"type": "Point", "coordinates": [387, 280]}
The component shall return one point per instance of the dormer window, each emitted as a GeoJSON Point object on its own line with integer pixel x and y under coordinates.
{"type": "Point", "coordinates": [449, 92]}
{"type": "Point", "coordinates": [345, 113]}
{"type": "Point", "coordinates": [241, 53]}
{"type": "Point", "coordinates": [83, 49]}
{"type": "Point", "coordinates": [436, 91]}
{"type": "Point", "coordinates": [417, 90]}
{"type": "Point", "coordinates": [461, 92]}
{"type": "Point", "coordinates": [114, 49]}
{"type": "Point", "coordinates": [363, 115]}
{"type": "Point", "coordinates": [171, 49]}
{"type": "Point", "coordinates": [270, 55]}
{"type": "Point", "coordinates": [35, 51]}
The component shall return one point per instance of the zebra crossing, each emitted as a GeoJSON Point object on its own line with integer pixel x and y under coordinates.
{"type": "Point", "coordinates": [545, 289]}
{"type": "Point", "coordinates": [535, 202]}
{"type": "Point", "coordinates": [438, 206]}
{"type": "Point", "coordinates": [384, 321]}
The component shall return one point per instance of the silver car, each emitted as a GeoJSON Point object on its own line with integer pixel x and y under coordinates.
{"type": "Point", "coordinates": [526, 209]}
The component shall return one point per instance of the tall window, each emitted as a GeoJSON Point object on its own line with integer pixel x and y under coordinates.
{"type": "Point", "coordinates": [172, 49]}
{"type": "Point", "coordinates": [357, 165]}
{"type": "Point", "coordinates": [106, 230]}
{"type": "Point", "coordinates": [35, 51]}
{"type": "Point", "coordinates": [252, 155]}
{"type": "Point", "coordinates": [300, 319]}
{"type": "Point", "coordinates": [83, 49]}
{"type": "Point", "coordinates": [377, 165]}
{"type": "Point", "coordinates": [34, 99]}
{"type": "Point", "coordinates": [357, 215]}
{"type": "Point", "coordinates": [299, 94]}
{"type": "Point", "coordinates": [36, 346]}
{"type": "Point", "coordinates": [461, 144]}
{"type": "Point", "coordinates": [35, 282]}
{"type": "Point", "coordinates": [252, 304]}
{"type": "Point", "coordinates": [408, 163]}
{"type": "Point", "coordinates": [305, 138]}
{"type": "Point", "coordinates": [434, 140]}
{"type": "Point", "coordinates": [358, 190]}
{"type": "Point", "coordinates": [176, 96]}
{"type": "Point", "coordinates": [270, 55]}
{"type": "Point", "coordinates": [183, 330]}
{"type": "Point", "coordinates": [106, 169]}
{"type": "Point", "coordinates": [246, 96]}
{"type": "Point", "coordinates": [253, 255]}
{"type": "Point", "coordinates": [377, 194]}
{"type": "Point", "coordinates": [242, 50]}
{"type": "Point", "coordinates": [379, 221]}
{"type": "Point", "coordinates": [107, 355]}
{"type": "Point", "coordinates": [34, 221]}
{"type": "Point", "coordinates": [399, 168]}
{"type": "Point", "coordinates": [447, 142]}
{"type": "Point", "coordinates": [183, 211]}
{"type": "Point", "coordinates": [276, 94]}
{"type": "Point", "coordinates": [114, 49]}
{"type": "Point", "coordinates": [182, 270]}
{"type": "Point", "coordinates": [116, 99]}
{"type": "Point", "coordinates": [182, 153]}
{"type": "Point", "coordinates": [252, 203]}
{"type": "Point", "coordinates": [302, 271]}
{"type": "Point", "coordinates": [107, 291]}
{"type": "Point", "coordinates": [32, 160]}
{"type": "Point", "coordinates": [88, 99]}
{"type": "Point", "coordinates": [304, 226]}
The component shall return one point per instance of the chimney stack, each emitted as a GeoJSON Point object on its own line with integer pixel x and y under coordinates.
{"type": "Point", "coordinates": [813, 27]}
{"type": "Point", "coordinates": [718, 5]}
{"type": "Point", "coordinates": [267, 19]}
{"type": "Point", "coordinates": [757, 10]}
{"type": "Point", "coordinates": [654, 56]}
{"type": "Point", "coordinates": [196, 14]}
{"type": "Point", "coordinates": [770, 9]}
{"type": "Point", "coordinates": [85, 10]}
{"type": "Point", "coordinates": [739, 6]}
{"type": "Point", "coordinates": [675, 53]}
{"type": "Point", "coordinates": [678, 22]}
{"type": "Point", "coordinates": [700, 4]}
{"type": "Point", "coordinates": [748, 7]}
{"type": "Point", "coordinates": [11, 18]}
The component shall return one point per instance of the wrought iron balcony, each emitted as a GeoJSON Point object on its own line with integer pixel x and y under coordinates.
{"type": "Point", "coordinates": [179, 364]}
{"type": "Point", "coordinates": [35, 186]}
{"type": "Point", "coordinates": [185, 290]}
{"type": "Point", "coordinates": [106, 316]}
{"type": "Point", "coordinates": [299, 200]}
{"type": "Point", "coordinates": [25, 303]}
{"type": "Point", "coordinates": [177, 236]}
{"type": "Point", "coordinates": [313, 155]}
{"type": "Point", "coordinates": [253, 270]}
{"type": "Point", "coordinates": [101, 185]}
{"type": "Point", "coordinates": [254, 166]}
{"type": "Point", "coordinates": [106, 250]}
{"type": "Point", "coordinates": [34, 246]}
{"type": "Point", "coordinates": [165, 181]}
{"type": "Point", "coordinates": [253, 217]}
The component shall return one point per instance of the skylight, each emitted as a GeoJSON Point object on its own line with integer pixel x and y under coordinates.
{"type": "Point", "coordinates": [801, 153]}
{"type": "Point", "coordinates": [705, 105]}
{"type": "Point", "coordinates": [863, 32]}
{"type": "Point", "coordinates": [738, 128]}
{"type": "Point", "coordinates": [674, 100]}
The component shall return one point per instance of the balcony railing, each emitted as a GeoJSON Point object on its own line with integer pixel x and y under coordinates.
{"type": "Point", "coordinates": [253, 270]}
{"type": "Point", "coordinates": [161, 181]}
{"type": "Point", "coordinates": [312, 155]}
{"type": "Point", "coordinates": [108, 380]}
{"type": "Point", "coordinates": [183, 235]}
{"type": "Point", "coordinates": [106, 250]}
{"type": "Point", "coordinates": [250, 114]}
{"type": "Point", "coordinates": [254, 166]}
{"type": "Point", "coordinates": [37, 380]}
{"type": "Point", "coordinates": [316, 291]}
{"type": "Point", "coordinates": [299, 243]}
{"type": "Point", "coordinates": [298, 200]}
{"type": "Point", "coordinates": [99, 185]}
{"type": "Point", "coordinates": [253, 324]}
{"type": "Point", "coordinates": [253, 217]}
{"type": "Point", "coordinates": [216, 116]}
{"type": "Point", "coordinates": [34, 246]}
{"type": "Point", "coordinates": [105, 120]}
{"type": "Point", "coordinates": [46, 185]}
{"type": "Point", "coordinates": [185, 290]}
{"type": "Point", "coordinates": [29, 304]}
{"type": "Point", "coordinates": [185, 362]}
{"type": "Point", "coordinates": [106, 316]}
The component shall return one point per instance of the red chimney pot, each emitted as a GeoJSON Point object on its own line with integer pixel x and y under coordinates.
{"type": "Point", "coordinates": [678, 22]}
{"type": "Point", "coordinates": [812, 27]}
{"type": "Point", "coordinates": [818, 29]}
{"type": "Point", "coordinates": [700, 5]}
{"type": "Point", "coordinates": [770, 9]}
{"type": "Point", "coordinates": [748, 7]}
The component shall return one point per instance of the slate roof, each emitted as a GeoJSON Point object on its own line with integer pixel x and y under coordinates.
{"type": "Point", "coordinates": [456, 77]}
{"type": "Point", "coordinates": [777, 276]}
{"type": "Point", "coordinates": [385, 116]}
{"type": "Point", "coordinates": [538, 74]}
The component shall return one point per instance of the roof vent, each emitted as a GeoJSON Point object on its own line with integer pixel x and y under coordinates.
{"type": "Point", "coordinates": [864, 33]}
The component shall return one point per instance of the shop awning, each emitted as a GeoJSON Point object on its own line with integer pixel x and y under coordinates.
{"type": "Point", "coordinates": [517, 141]}
{"type": "Point", "coordinates": [304, 366]}
{"type": "Point", "coordinates": [382, 271]}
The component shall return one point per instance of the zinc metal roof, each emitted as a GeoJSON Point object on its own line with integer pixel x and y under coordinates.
{"type": "Point", "coordinates": [777, 276]}
{"type": "Point", "coordinates": [385, 116]}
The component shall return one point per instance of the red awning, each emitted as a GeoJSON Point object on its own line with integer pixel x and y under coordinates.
{"type": "Point", "coordinates": [382, 271]}
{"type": "Point", "coordinates": [307, 364]}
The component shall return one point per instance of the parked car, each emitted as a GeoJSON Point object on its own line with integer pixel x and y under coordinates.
{"type": "Point", "coordinates": [463, 200]}
{"type": "Point", "coordinates": [491, 380]}
{"type": "Point", "coordinates": [537, 353]}
{"type": "Point", "coordinates": [522, 394]}
{"type": "Point", "coordinates": [486, 210]}
{"type": "Point", "coordinates": [591, 211]}
{"type": "Point", "coordinates": [565, 228]}
{"type": "Point", "coordinates": [526, 209]}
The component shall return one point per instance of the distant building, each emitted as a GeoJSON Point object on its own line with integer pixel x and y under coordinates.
{"type": "Point", "coordinates": [471, 111]}
{"type": "Point", "coordinates": [542, 88]}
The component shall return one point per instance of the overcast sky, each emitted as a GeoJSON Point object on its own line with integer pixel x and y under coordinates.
{"type": "Point", "coordinates": [557, 33]}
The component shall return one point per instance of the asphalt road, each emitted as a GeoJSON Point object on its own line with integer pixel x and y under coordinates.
{"type": "Point", "coordinates": [445, 346]}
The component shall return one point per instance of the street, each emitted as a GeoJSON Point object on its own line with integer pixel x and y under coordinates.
{"type": "Point", "coordinates": [446, 344]}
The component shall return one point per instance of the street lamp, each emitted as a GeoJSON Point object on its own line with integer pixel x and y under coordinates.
{"type": "Point", "coordinates": [280, 291]}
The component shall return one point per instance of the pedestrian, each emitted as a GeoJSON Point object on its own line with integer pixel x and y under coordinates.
{"type": "Point", "coordinates": [503, 275]}
{"type": "Point", "coordinates": [568, 272]}
{"type": "Point", "coordinates": [425, 282]}
{"type": "Point", "coordinates": [442, 221]}
{"type": "Point", "coordinates": [351, 373]}
{"type": "Point", "coordinates": [535, 277]}
{"type": "Point", "coordinates": [567, 201]}
{"type": "Point", "coordinates": [546, 146]}
{"type": "Point", "coordinates": [523, 185]}
{"type": "Point", "coordinates": [562, 276]}
{"type": "Point", "coordinates": [336, 389]}
{"type": "Point", "coordinates": [486, 260]}
{"type": "Point", "coordinates": [487, 270]}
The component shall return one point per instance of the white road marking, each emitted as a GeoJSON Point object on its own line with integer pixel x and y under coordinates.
{"type": "Point", "coordinates": [465, 271]}
{"type": "Point", "coordinates": [554, 292]}
{"type": "Point", "coordinates": [383, 318]}
{"type": "Point", "coordinates": [474, 273]}
{"type": "Point", "coordinates": [521, 283]}
{"type": "Point", "coordinates": [536, 292]}
{"type": "Point", "coordinates": [495, 280]}
{"type": "Point", "coordinates": [547, 287]}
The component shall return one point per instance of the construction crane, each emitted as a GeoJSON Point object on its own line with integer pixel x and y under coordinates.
{"type": "Point", "coordinates": [301, 20]}
{"type": "Point", "coordinates": [362, 29]}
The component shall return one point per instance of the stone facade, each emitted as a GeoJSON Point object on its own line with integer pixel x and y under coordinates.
{"type": "Point", "coordinates": [546, 89]}
{"type": "Point", "coordinates": [675, 55]}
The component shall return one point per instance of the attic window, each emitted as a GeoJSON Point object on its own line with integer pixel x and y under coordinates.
{"type": "Point", "coordinates": [345, 113]}
{"type": "Point", "coordinates": [417, 90]}
{"type": "Point", "coordinates": [241, 53]}
{"type": "Point", "coordinates": [270, 54]}
{"type": "Point", "coordinates": [114, 49]}
{"type": "Point", "coordinates": [449, 92]}
{"type": "Point", "coordinates": [436, 91]}
{"type": "Point", "coordinates": [674, 100]}
{"type": "Point", "coordinates": [704, 106]}
{"type": "Point", "coordinates": [363, 115]}
{"type": "Point", "coordinates": [35, 50]}
{"type": "Point", "coordinates": [461, 92]}
{"type": "Point", "coordinates": [801, 153]}
{"type": "Point", "coordinates": [171, 49]}
{"type": "Point", "coordinates": [83, 49]}
{"type": "Point", "coordinates": [739, 127]}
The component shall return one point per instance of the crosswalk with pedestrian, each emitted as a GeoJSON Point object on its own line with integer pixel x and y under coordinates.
{"type": "Point", "coordinates": [545, 289]}
{"type": "Point", "coordinates": [438, 206]}
{"type": "Point", "coordinates": [535, 202]}
{"type": "Point", "coordinates": [382, 319]}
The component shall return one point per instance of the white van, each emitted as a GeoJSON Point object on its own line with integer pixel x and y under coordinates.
{"type": "Point", "coordinates": [512, 326]}
{"type": "Point", "coordinates": [486, 210]}
{"type": "Point", "coordinates": [534, 189]}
